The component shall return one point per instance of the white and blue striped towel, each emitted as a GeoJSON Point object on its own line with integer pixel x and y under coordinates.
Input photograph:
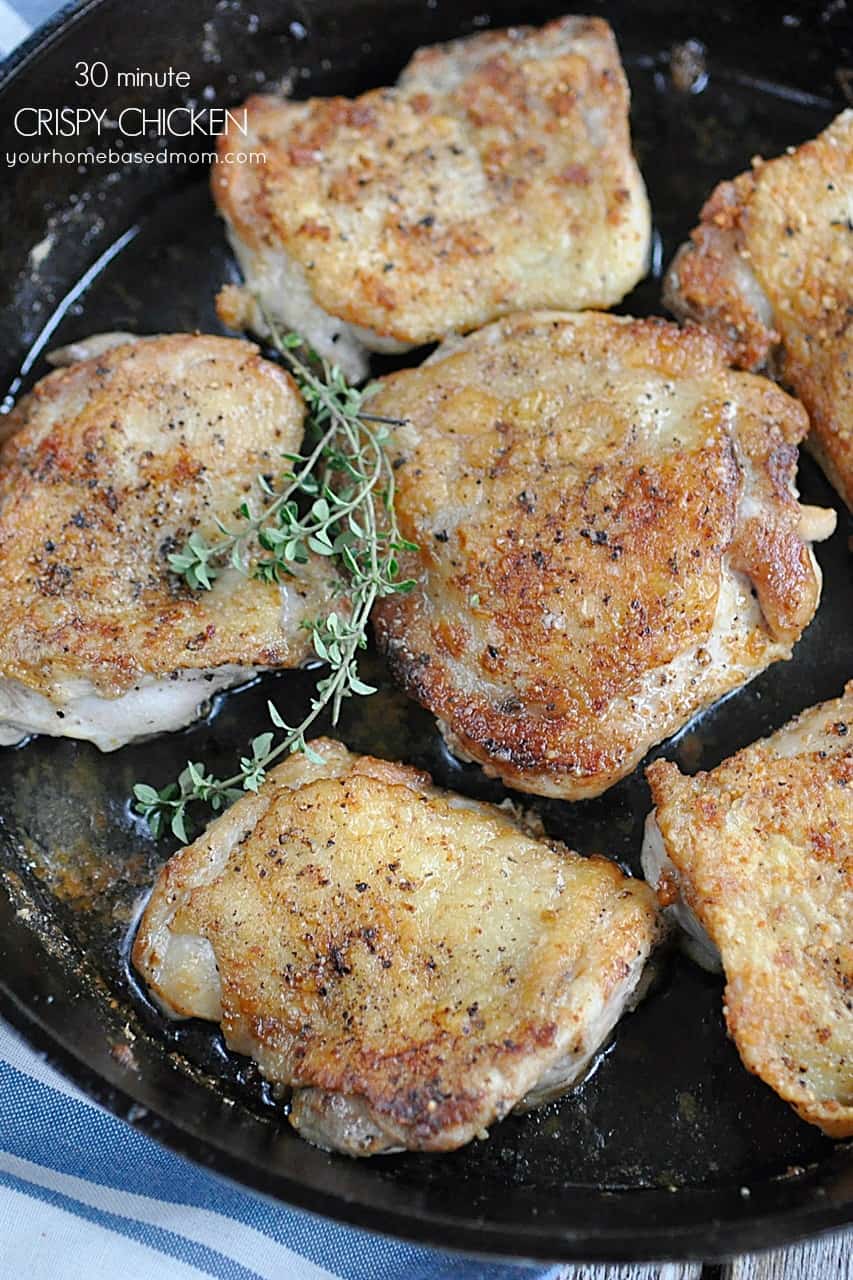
{"type": "Point", "coordinates": [83, 1196]}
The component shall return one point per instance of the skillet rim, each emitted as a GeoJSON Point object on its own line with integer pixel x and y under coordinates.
{"type": "Point", "coordinates": [42, 37]}
{"type": "Point", "coordinates": [717, 1240]}
{"type": "Point", "coordinates": [720, 1240]}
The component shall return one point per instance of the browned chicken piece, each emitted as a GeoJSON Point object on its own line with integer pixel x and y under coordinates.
{"type": "Point", "coordinates": [760, 851]}
{"type": "Point", "coordinates": [497, 175]}
{"type": "Point", "coordinates": [770, 270]}
{"type": "Point", "coordinates": [413, 964]}
{"type": "Point", "coordinates": [609, 541]}
{"type": "Point", "coordinates": [108, 466]}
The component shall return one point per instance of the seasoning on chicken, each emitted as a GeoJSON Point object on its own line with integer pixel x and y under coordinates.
{"type": "Point", "coordinates": [770, 270]}
{"type": "Point", "coordinates": [497, 175]}
{"type": "Point", "coordinates": [760, 853]}
{"type": "Point", "coordinates": [108, 466]}
{"type": "Point", "coordinates": [412, 963]}
{"type": "Point", "coordinates": [609, 541]}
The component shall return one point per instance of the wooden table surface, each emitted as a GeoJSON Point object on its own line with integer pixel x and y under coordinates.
{"type": "Point", "coordinates": [827, 1258]}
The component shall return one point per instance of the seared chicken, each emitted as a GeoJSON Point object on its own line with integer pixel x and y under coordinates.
{"type": "Point", "coordinates": [770, 270]}
{"type": "Point", "coordinates": [609, 541]}
{"type": "Point", "coordinates": [760, 850]}
{"type": "Point", "coordinates": [108, 466]}
{"type": "Point", "coordinates": [412, 963]}
{"type": "Point", "coordinates": [497, 175]}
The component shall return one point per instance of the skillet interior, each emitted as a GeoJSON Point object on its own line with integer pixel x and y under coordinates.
{"type": "Point", "coordinates": [650, 1157]}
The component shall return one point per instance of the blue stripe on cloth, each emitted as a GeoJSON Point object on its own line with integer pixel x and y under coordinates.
{"type": "Point", "coordinates": [13, 27]}
{"type": "Point", "coordinates": [50, 1129]}
{"type": "Point", "coordinates": [167, 1242]}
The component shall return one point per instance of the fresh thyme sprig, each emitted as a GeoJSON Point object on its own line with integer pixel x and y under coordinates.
{"type": "Point", "coordinates": [346, 482]}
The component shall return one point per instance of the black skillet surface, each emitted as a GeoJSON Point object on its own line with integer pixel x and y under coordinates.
{"type": "Point", "coordinates": [671, 1149]}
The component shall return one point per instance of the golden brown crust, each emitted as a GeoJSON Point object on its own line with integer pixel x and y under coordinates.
{"type": "Point", "coordinates": [110, 465]}
{"type": "Point", "coordinates": [385, 941]}
{"type": "Point", "coordinates": [594, 500]}
{"type": "Point", "coordinates": [770, 270]}
{"type": "Point", "coordinates": [702, 285]}
{"type": "Point", "coordinates": [497, 175]}
{"type": "Point", "coordinates": [763, 846]}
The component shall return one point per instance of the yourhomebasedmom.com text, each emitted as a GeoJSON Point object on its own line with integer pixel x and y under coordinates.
{"type": "Point", "coordinates": [113, 156]}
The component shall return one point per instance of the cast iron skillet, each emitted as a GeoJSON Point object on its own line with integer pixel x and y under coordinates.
{"type": "Point", "coordinates": [671, 1149]}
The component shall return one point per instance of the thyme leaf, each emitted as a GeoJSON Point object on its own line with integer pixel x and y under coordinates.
{"type": "Point", "coordinates": [337, 501]}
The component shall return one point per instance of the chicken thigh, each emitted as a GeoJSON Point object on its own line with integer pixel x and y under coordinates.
{"type": "Point", "coordinates": [759, 852]}
{"type": "Point", "coordinates": [496, 175]}
{"type": "Point", "coordinates": [108, 466]}
{"type": "Point", "coordinates": [412, 963]}
{"type": "Point", "coordinates": [770, 270]}
{"type": "Point", "coordinates": [609, 540]}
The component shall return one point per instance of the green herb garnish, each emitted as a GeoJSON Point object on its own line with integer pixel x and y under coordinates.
{"type": "Point", "coordinates": [337, 501]}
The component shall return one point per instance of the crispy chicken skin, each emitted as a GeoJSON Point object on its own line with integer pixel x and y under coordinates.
{"type": "Point", "coordinates": [770, 270]}
{"type": "Point", "coordinates": [108, 466]}
{"type": "Point", "coordinates": [497, 175]}
{"type": "Point", "coordinates": [761, 850]}
{"type": "Point", "coordinates": [609, 540]}
{"type": "Point", "coordinates": [413, 963]}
